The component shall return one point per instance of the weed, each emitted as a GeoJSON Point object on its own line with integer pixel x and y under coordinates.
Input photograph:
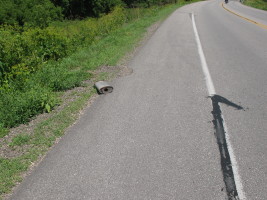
{"type": "Point", "coordinates": [3, 131]}
{"type": "Point", "coordinates": [9, 173]}
{"type": "Point", "coordinates": [20, 140]}
{"type": "Point", "coordinates": [19, 106]}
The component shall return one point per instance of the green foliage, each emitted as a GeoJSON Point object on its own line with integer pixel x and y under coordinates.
{"type": "Point", "coordinates": [58, 78]}
{"type": "Point", "coordinates": [8, 13]}
{"type": "Point", "coordinates": [147, 3]}
{"type": "Point", "coordinates": [29, 12]}
{"type": "Point", "coordinates": [103, 6]}
{"type": "Point", "coordinates": [3, 131]}
{"type": "Point", "coordinates": [29, 73]}
{"type": "Point", "coordinates": [40, 13]}
{"type": "Point", "coordinates": [27, 80]}
{"type": "Point", "coordinates": [112, 21]}
{"type": "Point", "coordinates": [64, 4]}
{"type": "Point", "coordinates": [45, 44]}
{"type": "Point", "coordinates": [73, 9]}
{"type": "Point", "coordinates": [20, 140]}
{"type": "Point", "coordinates": [260, 4]}
{"type": "Point", "coordinates": [19, 106]}
{"type": "Point", "coordinates": [22, 51]}
{"type": "Point", "coordinates": [108, 50]}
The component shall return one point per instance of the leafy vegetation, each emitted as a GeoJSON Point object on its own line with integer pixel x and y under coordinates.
{"type": "Point", "coordinates": [19, 106]}
{"type": "Point", "coordinates": [29, 12]}
{"type": "Point", "coordinates": [39, 13]}
{"type": "Point", "coordinates": [3, 131]}
{"type": "Point", "coordinates": [31, 65]}
{"type": "Point", "coordinates": [22, 50]}
{"type": "Point", "coordinates": [260, 4]}
{"type": "Point", "coordinates": [28, 80]}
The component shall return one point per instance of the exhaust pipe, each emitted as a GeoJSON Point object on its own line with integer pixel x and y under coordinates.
{"type": "Point", "coordinates": [103, 87]}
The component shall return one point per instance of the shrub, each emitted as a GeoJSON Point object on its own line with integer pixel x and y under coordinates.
{"type": "Point", "coordinates": [111, 21]}
{"type": "Point", "coordinates": [22, 51]}
{"type": "Point", "coordinates": [18, 107]}
{"type": "Point", "coordinates": [58, 78]}
{"type": "Point", "coordinates": [103, 6]}
{"type": "Point", "coordinates": [3, 131]}
{"type": "Point", "coordinates": [29, 73]}
{"type": "Point", "coordinates": [45, 44]}
{"type": "Point", "coordinates": [37, 13]}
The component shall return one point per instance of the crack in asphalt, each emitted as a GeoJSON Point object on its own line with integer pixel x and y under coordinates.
{"type": "Point", "coordinates": [226, 164]}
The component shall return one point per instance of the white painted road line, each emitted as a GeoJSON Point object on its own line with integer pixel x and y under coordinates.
{"type": "Point", "coordinates": [238, 182]}
{"type": "Point", "coordinates": [211, 91]}
{"type": "Point", "coordinates": [204, 64]}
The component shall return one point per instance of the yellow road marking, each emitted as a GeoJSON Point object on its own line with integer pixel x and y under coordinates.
{"type": "Point", "coordinates": [247, 19]}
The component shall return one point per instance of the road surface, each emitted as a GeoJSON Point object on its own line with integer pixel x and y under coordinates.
{"type": "Point", "coordinates": [154, 137]}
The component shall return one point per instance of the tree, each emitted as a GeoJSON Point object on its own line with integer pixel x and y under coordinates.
{"type": "Point", "coordinates": [8, 13]}
{"type": "Point", "coordinates": [31, 12]}
{"type": "Point", "coordinates": [86, 8]}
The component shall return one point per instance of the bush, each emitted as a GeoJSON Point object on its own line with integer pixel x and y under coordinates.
{"type": "Point", "coordinates": [3, 131]}
{"type": "Point", "coordinates": [37, 13]}
{"type": "Point", "coordinates": [22, 51]}
{"type": "Point", "coordinates": [45, 44]}
{"type": "Point", "coordinates": [30, 67]}
{"type": "Point", "coordinates": [103, 6]}
{"type": "Point", "coordinates": [58, 78]}
{"type": "Point", "coordinates": [17, 107]}
{"type": "Point", "coordinates": [111, 21]}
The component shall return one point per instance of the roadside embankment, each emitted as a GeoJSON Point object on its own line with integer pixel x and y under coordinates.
{"type": "Point", "coordinates": [60, 82]}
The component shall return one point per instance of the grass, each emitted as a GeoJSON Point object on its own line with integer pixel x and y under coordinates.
{"type": "Point", "coordinates": [3, 131]}
{"type": "Point", "coordinates": [20, 140]}
{"type": "Point", "coordinates": [107, 51]}
{"type": "Point", "coordinates": [10, 173]}
{"type": "Point", "coordinates": [260, 4]}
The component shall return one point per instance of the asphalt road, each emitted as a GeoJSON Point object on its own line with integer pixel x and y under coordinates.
{"type": "Point", "coordinates": [153, 137]}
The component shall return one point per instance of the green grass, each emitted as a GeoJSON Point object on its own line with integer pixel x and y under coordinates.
{"type": "Point", "coordinates": [10, 170]}
{"type": "Point", "coordinates": [260, 4]}
{"type": "Point", "coordinates": [107, 51]}
{"type": "Point", "coordinates": [20, 140]}
{"type": "Point", "coordinates": [3, 131]}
